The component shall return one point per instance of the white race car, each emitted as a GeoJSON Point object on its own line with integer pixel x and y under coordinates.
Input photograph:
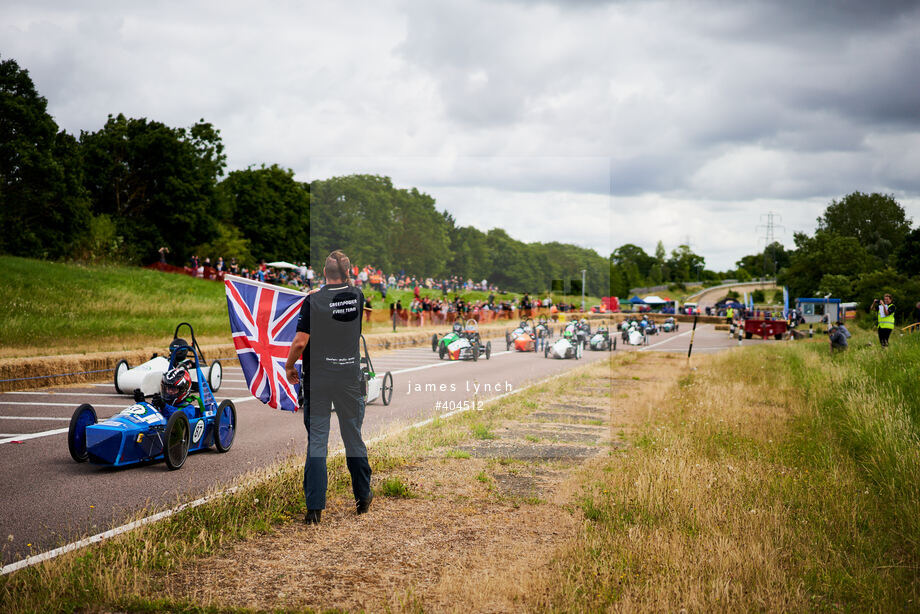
{"type": "Point", "coordinates": [565, 347]}
{"type": "Point", "coordinates": [634, 334]}
{"type": "Point", "coordinates": [602, 340]}
{"type": "Point", "coordinates": [146, 377]}
{"type": "Point", "coordinates": [377, 386]}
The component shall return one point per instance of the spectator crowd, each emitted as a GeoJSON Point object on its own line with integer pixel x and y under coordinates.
{"type": "Point", "coordinates": [421, 310]}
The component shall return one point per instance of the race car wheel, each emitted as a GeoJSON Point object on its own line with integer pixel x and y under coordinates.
{"type": "Point", "coordinates": [434, 342]}
{"type": "Point", "coordinates": [611, 344]}
{"type": "Point", "coordinates": [546, 351]}
{"type": "Point", "coordinates": [120, 369]}
{"type": "Point", "coordinates": [386, 391]}
{"type": "Point", "coordinates": [177, 436]}
{"type": "Point", "coordinates": [215, 375]}
{"type": "Point", "coordinates": [441, 352]}
{"type": "Point", "coordinates": [475, 350]}
{"type": "Point", "coordinates": [82, 417]}
{"type": "Point", "coordinates": [488, 350]}
{"type": "Point", "coordinates": [224, 426]}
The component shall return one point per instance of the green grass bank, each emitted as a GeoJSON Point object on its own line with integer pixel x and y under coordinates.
{"type": "Point", "coordinates": [56, 308]}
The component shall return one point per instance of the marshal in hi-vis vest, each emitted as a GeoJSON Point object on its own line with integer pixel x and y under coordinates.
{"type": "Point", "coordinates": [885, 321]}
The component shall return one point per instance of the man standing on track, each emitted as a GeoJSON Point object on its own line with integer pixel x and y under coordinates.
{"type": "Point", "coordinates": [330, 322]}
{"type": "Point", "coordinates": [885, 318]}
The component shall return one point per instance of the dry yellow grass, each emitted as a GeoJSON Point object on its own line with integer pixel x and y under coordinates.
{"type": "Point", "coordinates": [712, 510]}
{"type": "Point", "coordinates": [483, 519]}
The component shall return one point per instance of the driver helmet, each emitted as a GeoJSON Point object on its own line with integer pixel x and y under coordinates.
{"type": "Point", "coordinates": [568, 333]}
{"type": "Point", "coordinates": [176, 386]}
{"type": "Point", "coordinates": [602, 329]}
{"type": "Point", "coordinates": [178, 346]}
{"type": "Point", "coordinates": [458, 328]}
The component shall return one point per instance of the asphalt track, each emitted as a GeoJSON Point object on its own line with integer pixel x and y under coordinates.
{"type": "Point", "coordinates": [49, 500]}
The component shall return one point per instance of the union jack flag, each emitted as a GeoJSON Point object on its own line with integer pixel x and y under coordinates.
{"type": "Point", "coordinates": [263, 321]}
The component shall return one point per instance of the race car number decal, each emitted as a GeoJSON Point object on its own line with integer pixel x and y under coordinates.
{"type": "Point", "coordinates": [455, 346]}
{"type": "Point", "coordinates": [140, 413]}
{"type": "Point", "coordinates": [199, 431]}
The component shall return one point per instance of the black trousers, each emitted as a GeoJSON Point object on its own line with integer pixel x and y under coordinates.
{"type": "Point", "coordinates": [883, 334]}
{"type": "Point", "coordinates": [349, 408]}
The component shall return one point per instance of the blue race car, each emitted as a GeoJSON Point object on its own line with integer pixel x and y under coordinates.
{"type": "Point", "coordinates": [154, 430]}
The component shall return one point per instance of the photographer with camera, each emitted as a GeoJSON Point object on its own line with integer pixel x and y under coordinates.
{"type": "Point", "coordinates": [885, 318]}
{"type": "Point", "coordinates": [328, 333]}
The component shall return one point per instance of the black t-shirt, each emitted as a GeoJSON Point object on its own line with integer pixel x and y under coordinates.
{"type": "Point", "coordinates": [332, 318]}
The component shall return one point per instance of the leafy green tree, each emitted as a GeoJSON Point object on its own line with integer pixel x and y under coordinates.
{"type": "Point", "coordinates": [838, 286]}
{"type": "Point", "coordinates": [271, 210]}
{"type": "Point", "coordinates": [630, 254]}
{"type": "Point", "coordinates": [908, 258]}
{"type": "Point", "coordinates": [618, 286]}
{"type": "Point", "coordinates": [877, 221]}
{"type": "Point", "coordinates": [227, 242]}
{"type": "Point", "coordinates": [684, 264]}
{"type": "Point", "coordinates": [157, 183]}
{"type": "Point", "coordinates": [768, 262]}
{"type": "Point", "coordinates": [418, 238]}
{"type": "Point", "coordinates": [355, 213]}
{"type": "Point", "coordinates": [44, 211]}
{"type": "Point", "coordinates": [825, 253]}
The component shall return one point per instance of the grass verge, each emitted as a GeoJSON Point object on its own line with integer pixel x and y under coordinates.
{"type": "Point", "coordinates": [776, 478]}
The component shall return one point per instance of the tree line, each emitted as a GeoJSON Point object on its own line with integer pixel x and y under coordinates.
{"type": "Point", "coordinates": [863, 246]}
{"type": "Point", "coordinates": [122, 192]}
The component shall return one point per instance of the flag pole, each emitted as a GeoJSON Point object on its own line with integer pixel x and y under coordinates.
{"type": "Point", "coordinates": [692, 335]}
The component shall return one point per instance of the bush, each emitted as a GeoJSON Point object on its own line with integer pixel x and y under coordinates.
{"type": "Point", "coordinates": [395, 487]}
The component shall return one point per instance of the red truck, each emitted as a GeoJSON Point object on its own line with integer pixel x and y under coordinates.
{"type": "Point", "coordinates": [764, 328]}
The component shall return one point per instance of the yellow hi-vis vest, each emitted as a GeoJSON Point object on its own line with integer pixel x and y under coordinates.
{"type": "Point", "coordinates": [885, 321]}
{"type": "Point", "coordinates": [730, 313]}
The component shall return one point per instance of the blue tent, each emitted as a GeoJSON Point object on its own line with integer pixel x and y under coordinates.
{"type": "Point", "coordinates": [635, 300]}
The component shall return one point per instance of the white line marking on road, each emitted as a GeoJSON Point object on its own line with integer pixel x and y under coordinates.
{"type": "Point", "coordinates": [30, 418]}
{"type": "Point", "coordinates": [44, 556]}
{"type": "Point", "coordinates": [55, 404]}
{"type": "Point", "coordinates": [648, 347]}
{"type": "Point", "coordinates": [442, 364]}
{"type": "Point", "coordinates": [32, 436]}
{"type": "Point", "coordinates": [68, 394]}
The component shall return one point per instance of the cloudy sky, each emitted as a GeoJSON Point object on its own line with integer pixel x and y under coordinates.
{"type": "Point", "coordinates": [596, 123]}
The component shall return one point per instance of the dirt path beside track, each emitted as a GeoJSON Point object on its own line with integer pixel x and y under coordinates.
{"type": "Point", "coordinates": [488, 507]}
